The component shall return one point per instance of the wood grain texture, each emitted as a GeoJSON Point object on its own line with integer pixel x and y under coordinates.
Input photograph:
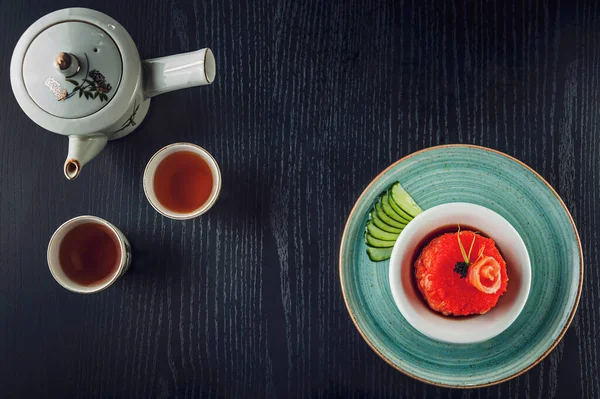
{"type": "Point", "coordinates": [312, 99]}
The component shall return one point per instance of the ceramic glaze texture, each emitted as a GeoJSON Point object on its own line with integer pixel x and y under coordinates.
{"type": "Point", "coordinates": [89, 89]}
{"type": "Point", "coordinates": [77, 72]}
{"type": "Point", "coordinates": [136, 112]}
{"type": "Point", "coordinates": [493, 180]}
{"type": "Point", "coordinates": [81, 120]}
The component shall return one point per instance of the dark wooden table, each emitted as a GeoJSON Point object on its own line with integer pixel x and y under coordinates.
{"type": "Point", "coordinates": [311, 101]}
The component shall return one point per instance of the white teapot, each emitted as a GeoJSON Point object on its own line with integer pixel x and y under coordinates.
{"type": "Point", "coordinates": [77, 72]}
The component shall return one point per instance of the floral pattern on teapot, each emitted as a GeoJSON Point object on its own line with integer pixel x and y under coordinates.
{"type": "Point", "coordinates": [92, 87]}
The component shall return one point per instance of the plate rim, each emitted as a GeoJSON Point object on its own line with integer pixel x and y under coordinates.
{"type": "Point", "coordinates": [343, 244]}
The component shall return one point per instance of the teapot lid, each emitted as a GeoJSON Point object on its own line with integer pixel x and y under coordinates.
{"type": "Point", "coordinates": [72, 69]}
{"type": "Point", "coordinates": [69, 65]}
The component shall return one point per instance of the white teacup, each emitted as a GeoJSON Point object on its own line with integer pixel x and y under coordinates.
{"type": "Point", "coordinates": [156, 160]}
{"type": "Point", "coordinates": [123, 257]}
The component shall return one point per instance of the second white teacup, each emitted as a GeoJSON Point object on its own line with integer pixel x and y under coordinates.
{"type": "Point", "coordinates": [182, 181]}
{"type": "Point", "coordinates": [88, 254]}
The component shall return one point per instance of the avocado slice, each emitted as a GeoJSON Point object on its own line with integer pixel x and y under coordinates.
{"type": "Point", "coordinates": [379, 254]}
{"type": "Point", "coordinates": [404, 200]}
{"type": "Point", "coordinates": [379, 233]}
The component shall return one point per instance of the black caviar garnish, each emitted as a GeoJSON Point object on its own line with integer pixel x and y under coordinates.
{"type": "Point", "coordinates": [461, 268]}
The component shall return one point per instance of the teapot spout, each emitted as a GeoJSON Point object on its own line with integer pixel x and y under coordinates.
{"type": "Point", "coordinates": [161, 75]}
{"type": "Point", "coordinates": [81, 151]}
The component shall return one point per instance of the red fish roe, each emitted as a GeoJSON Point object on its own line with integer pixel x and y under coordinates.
{"type": "Point", "coordinates": [443, 288]}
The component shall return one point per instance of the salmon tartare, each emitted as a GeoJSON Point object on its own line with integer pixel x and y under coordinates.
{"type": "Point", "coordinates": [461, 274]}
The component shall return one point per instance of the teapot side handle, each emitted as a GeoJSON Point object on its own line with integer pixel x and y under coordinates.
{"type": "Point", "coordinates": [174, 72]}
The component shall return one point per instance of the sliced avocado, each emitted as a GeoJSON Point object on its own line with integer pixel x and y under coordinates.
{"type": "Point", "coordinates": [376, 242]}
{"type": "Point", "coordinates": [379, 254]}
{"type": "Point", "coordinates": [404, 200]}
{"type": "Point", "coordinates": [386, 219]}
{"type": "Point", "coordinates": [385, 205]}
{"type": "Point", "coordinates": [397, 208]}
{"type": "Point", "coordinates": [379, 233]}
{"type": "Point", "coordinates": [381, 224]}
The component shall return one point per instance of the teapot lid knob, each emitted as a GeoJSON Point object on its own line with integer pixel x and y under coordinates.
{"type": "Point", "coordinates": [66, 64]}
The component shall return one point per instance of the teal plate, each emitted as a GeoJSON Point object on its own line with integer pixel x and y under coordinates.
{"type": "Point", "coordinates": [460, 173]}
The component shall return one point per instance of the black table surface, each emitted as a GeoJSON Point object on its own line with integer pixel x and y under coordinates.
{"type": "Point", "coordinates": [312, 100]}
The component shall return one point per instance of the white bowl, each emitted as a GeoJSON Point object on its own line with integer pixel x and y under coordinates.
{"type": "Point", "coordinates": [460, 330]}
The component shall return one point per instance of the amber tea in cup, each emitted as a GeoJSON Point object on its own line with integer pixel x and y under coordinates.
{"type": "Point", "coordinates": [182, 181]}
{"type": "Point", "coordinates": [87, 254]}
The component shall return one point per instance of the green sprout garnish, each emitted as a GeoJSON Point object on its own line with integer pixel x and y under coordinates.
{"type": "Point", "coordinates": [462, 268]}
